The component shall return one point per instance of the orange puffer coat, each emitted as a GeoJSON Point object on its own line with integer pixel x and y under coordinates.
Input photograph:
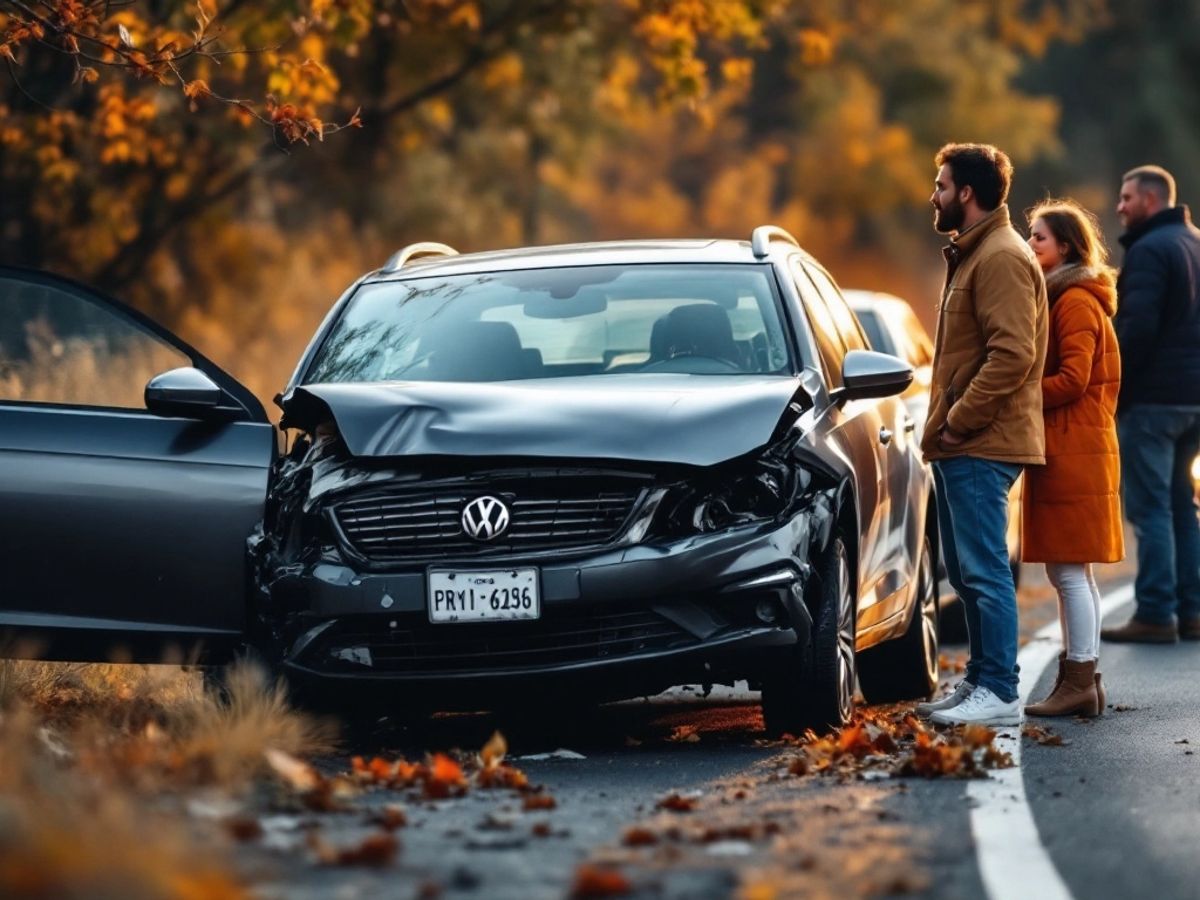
{"type": "Point", "coordinates": [1071, 508]}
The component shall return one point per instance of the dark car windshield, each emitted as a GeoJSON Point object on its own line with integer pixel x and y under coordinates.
{"type": "Point", "coordinates": [710, 319]}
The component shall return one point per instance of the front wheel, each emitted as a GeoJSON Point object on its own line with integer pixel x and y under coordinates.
{"type": "Point", "coordinates": [820, 694]}
{"type": "Point", "coordinates": [906, 668]}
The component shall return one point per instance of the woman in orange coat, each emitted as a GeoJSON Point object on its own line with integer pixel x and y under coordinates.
{"type": "Point", "coordinates": [1071, 511]}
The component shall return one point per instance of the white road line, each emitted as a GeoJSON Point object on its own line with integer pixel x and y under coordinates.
{"type": "Point", "coordinates": [1013, 864]}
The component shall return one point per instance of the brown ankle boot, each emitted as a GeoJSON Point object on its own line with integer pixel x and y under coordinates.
{"type": "Point", "coordinates": [1062, 670]}
{"type": "Point", "coordinates": [1076, 696]}
{"type": "Point", "coordinates": [1100, 694]}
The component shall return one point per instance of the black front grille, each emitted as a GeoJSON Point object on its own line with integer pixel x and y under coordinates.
{"type": "Point", "coordinates": [371, 645]}
{"type": "Point", "coordinates": [426, 523]}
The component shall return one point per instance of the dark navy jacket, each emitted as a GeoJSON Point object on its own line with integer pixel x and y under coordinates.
{"type": "Point", "coordinates": [1158, 311]}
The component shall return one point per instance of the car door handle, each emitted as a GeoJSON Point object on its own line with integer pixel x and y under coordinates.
{"type": "Point", "coordinates": [885, 436]}
{"type": "Point", "coordinates": [910, 425]}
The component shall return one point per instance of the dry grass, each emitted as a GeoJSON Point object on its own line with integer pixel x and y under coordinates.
{"type": "Point", "coordinates": [99, 759]}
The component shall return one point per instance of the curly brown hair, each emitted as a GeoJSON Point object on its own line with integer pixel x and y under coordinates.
{"type": "Point", "coordinates": [982, 167]}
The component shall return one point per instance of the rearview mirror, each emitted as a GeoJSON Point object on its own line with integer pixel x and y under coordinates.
{"type": "Point", "coordinates": [866, 373]}
{"type": "Point", "coordinates": [585, 303]}
{"type": "Point", "coordinates": [185, 392]}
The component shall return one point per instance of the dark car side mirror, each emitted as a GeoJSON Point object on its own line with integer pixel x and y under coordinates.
{"type": "Point", "coordinates": [866, 373]}
{"type": "Point", "coordinates": [185, 393]}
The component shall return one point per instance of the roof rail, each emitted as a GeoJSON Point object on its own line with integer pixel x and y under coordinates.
{"type": "Point", "coordinates": [416, 251]}
{"type": "Point", "coordinates": [760, 240]}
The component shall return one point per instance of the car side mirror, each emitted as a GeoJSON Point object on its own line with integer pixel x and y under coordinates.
{"type": "Point", "coordinates": [185, 393]}
{"type": "Point", "coordinates": [866, 373]}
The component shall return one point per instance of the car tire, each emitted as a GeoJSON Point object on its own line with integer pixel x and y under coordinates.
{"type": "Point", "coordinates": [815, 689]}
{"type": "Point", "coordinates": [906, 668]}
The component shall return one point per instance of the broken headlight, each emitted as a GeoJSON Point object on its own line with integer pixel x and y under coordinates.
{"type": "Point", "coordinates": [734, 495]}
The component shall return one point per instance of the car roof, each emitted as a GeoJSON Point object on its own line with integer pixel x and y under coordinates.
{"type": "Point", "coordinates": [597, 253]}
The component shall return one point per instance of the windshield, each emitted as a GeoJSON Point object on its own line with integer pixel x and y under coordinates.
{"type": "Point", "coordinates": [708, 319]}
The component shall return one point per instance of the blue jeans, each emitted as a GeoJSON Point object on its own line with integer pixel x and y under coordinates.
{"type": "Point", "coordinates": [1158, 444]}
{"type": "Point", "coordinates": [972, 498]}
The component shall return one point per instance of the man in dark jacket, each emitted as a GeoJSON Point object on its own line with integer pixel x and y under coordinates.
{"type": "Point", "coordinates": [1158, 415]}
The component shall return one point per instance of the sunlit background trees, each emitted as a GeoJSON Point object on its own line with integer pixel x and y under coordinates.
{"type": "Point", "coordinates": [230, 166]}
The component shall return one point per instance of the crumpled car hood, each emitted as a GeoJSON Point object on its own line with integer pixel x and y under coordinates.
{"type": "Point", "coordinates": [696, 420]}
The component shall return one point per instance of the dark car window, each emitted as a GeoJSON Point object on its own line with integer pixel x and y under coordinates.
{"type": "Point", "coordinates": [59, 347]}
{"type": "Point", "coordinates": [877, 334]}
{"type": "Point", "coordinates": [556, 322]}
{"type": "Point", "coordinates": [825, 331]}
{"type": "Point", "coordinates": [847, 325]}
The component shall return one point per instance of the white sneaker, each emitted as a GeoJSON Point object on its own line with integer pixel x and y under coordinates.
{"type": "Point", "coordinates": [960, 693]}
{"type": "Point", "coordinates": [982, 707]}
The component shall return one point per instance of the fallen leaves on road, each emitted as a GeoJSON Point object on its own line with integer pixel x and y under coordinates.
{"type": "Point", "coordinates": [685, 734]}
{"type": "Point", "coordinates": [374, 850]}
{"type": "Point", "coordinates": [441, 776]}
{"type": "Point", "coordinates": [957, 664]}
{"type": "Point", "coordinates": [444, 778]}
{"type": "Point", "coordinates": [1043, 736]}
{"type": "Point", "coordinates": [890, 741]}
{"type": "Point", "coordinates": [679, 803]}
{"type": "Point", "coordinates": [390, 817]}
{"type": "Point", "coordinates": [595, 881]}
{"type": "Point", "coordinates": [638, 836]}
{"type": "Point", "coordinates": [315, 791]}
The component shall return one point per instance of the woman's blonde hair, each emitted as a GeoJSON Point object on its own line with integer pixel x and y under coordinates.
{"type": "Point", "coordinates": [1074, 226]}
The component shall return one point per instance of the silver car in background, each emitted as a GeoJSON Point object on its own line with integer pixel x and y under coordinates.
{"type": "Point", "coordinates": [891, 326]}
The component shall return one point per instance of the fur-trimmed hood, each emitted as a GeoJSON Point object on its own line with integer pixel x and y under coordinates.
{"type": "Point", "coordinates": [1100, 283]}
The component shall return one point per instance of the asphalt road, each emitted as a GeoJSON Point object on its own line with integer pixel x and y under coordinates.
{"type": "Point", "coordinates": [1116, 807]}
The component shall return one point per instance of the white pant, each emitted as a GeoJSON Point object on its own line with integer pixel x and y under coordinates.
{"type": "Point", "coordinates": [1078, 609]}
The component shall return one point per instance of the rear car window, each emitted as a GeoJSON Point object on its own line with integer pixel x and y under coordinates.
{"type": "Point", "coordinates": [710, 319]}
{"type": "Point", "coordinates": [877, 335]}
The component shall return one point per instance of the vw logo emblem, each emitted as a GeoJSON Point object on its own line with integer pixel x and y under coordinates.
{"type": "Point", "coordinates": [485, 518]}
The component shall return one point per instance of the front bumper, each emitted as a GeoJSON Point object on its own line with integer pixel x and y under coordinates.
{"type": "Point", "coordinates": [621, 622]}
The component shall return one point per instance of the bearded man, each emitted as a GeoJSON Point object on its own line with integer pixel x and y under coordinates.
{"type": "Point", "coordinates": [985, 416]}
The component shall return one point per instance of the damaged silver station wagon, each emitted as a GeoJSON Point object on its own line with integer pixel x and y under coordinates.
{"type": "Point", "coordinates": [592, 471]}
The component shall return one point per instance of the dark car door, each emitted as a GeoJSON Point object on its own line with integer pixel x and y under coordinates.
{"type": "Point", "coordinates": [894, 448]}
{"type": "Point", "coordinates": [122, 531]}
{"type": "Point", "coordinates": [859, 423]}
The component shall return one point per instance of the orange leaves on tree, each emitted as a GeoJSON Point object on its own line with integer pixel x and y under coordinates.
{"type": "Point", "coordinates": [296, 124]}
{"type": "Point", "coordinates": [196, 88]}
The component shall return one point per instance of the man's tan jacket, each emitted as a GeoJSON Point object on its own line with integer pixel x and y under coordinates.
{"type": "Point", "coordinates": [990, 348]}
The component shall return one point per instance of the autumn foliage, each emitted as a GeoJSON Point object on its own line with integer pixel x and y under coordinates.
{"type": "Point", "coordinates": [183, 155]}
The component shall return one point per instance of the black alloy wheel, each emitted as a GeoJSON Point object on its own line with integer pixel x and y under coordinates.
{"type": "Point", "coordinates": [906, 668]}
{"type": "Point", "coordinates": [820, 694]}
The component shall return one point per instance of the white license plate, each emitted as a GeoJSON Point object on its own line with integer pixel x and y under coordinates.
{"type": "Point", "coordinates": [498, 596]}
